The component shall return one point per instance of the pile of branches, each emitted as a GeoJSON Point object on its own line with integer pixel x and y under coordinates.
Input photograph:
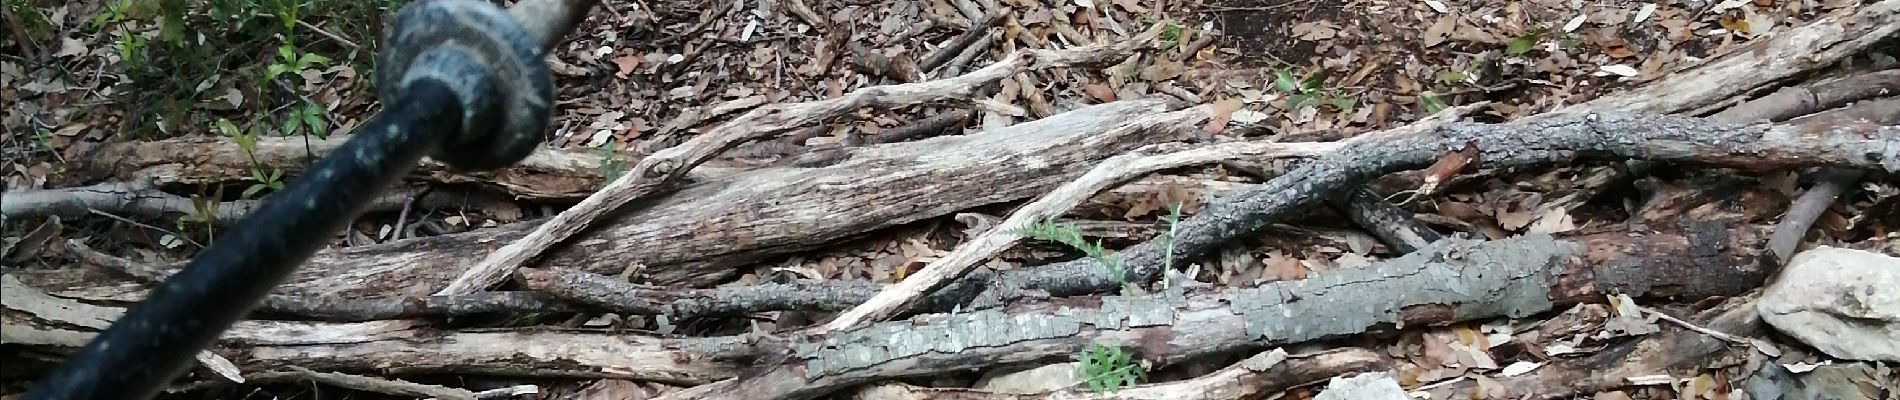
{"type": "Point", "coordinates": [390, 309]}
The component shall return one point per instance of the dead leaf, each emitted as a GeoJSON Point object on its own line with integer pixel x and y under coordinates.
{"type": "Point", "coordinates": [1615, 47]}
{"type": "Point", "coordinates": [626, 64]}
{"type": "Point", "coordinates": [1556, 220]}
{"type": "Point", "coordinates": [1439, 31]}
{"type": "Point", "coordinates": [1280, 267]}
{"type": "Point", "coordinates": [1133, 6]}
{"type": "Point", "coordinates": [1161, 71]}
{"type": "Point", "coordinates": [1038, 17]}
{"type": "Point", "coordinates": [1100, 92]}
{"type": "Point", "coordinates": [70, 47]}
{"type": "Point", "coordinates": [1223, 113]}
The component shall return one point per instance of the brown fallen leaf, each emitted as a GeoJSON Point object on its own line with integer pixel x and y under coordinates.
{"type": "Point", "coordinates": [1100, 92]}
{"type": "Point", "coordinates": [1223, 113]}
{"type": "Point", "coordinates": [626, 63]}
{"type": "Point", "coordinates": [1439, 31]}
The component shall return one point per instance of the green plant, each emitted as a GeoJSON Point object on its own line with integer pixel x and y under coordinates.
{"type": "Point", "coordinates": [612, 163]}
{"type": "Point", "coordinates": [1431, 102]}
{"type": "Point", "coordinates": [1048, 230]}
{"type": "Point", "coordinates": [306, 116]}
{"type": "Point", "coordinates": [291, 60]}
{"type": "Point", "coordinates": [1108, 368]}
{"type": "Point", "coordinates": [1524, 43]}
{"type": "Point", "coordinates": [247, 142]}
{"type": "Point", "coordinates": [30, 18]}
{"type": "Point", "coordinates": [1304, 91]}
{"type": "Point", "coordinates": [1173, 219]}
{"type": "Point", "coordinates": [1171, 34]}
{"type": "Point", "coordinates": [204, 212]}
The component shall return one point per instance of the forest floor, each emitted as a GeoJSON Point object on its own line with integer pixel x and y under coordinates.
{"type": "Point", "coordinates": [644, 75]}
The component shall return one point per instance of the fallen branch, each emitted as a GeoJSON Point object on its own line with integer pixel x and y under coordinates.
{"type": "Point", "coordinates": [1768, 59]}
{"type": "Point", "coordinates": [665, 167]}
{"type": "Point", "coordinates": [400, 347]}
{"type": "Point", "coordinates": [146, 201]}
{"type": "Point", "coordinates": [546, 174]}
{"type": "Point", "coordinates": [1252, 378]}
{"type": "Point", "coordinates": [345, 308]}
{"type": "Point", "coordinates": [956, 46]}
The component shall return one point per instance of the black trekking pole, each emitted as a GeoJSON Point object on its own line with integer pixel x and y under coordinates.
{"type": "Point", "coordinates": [462, 82]}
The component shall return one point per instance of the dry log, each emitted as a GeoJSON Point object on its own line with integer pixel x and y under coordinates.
{"type": "Point", "coordinates": [1455, 280]}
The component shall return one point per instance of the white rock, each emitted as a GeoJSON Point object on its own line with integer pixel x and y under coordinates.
{"type": "Point", "coordinates": [1367, 386]}
{"type": "Point", "coordinates": [1843, 302]}
{"type": "Point", "coordinates": [1031, 381]}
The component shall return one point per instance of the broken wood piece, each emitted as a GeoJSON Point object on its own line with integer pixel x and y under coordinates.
{"type": "Point", "coordinates": [663, 168]}
{"type": "Point", "coordinates": [944, 54]}
{"type": "Point", "coordinates": [1392, 225]}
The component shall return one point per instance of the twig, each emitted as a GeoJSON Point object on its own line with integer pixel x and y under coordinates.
{"type": "Point", "coordinates": [711, 17]}
{"type": "Point", "coordinates": [1686, 325]}
{"type": "Point", "coordinates": [969, 54]}
{"type": "Point", "coordinates": [385, 386]}
{"type": "Point", "coordinates": [187, 239]}
{"type": "Point", "coordinates": [922, 128]}
{"type": "Point", "coordinates": [666, 166]}
{"type": "Point", "coordinates": [1258, 376]}
{"type": "Point", "coordinates": [956, 46]}
{"type": "Point", "coordinates": [332, 36]}
{"type": "Point", "coordinates": [1207, 38]}
{"type": "Point", "coordinates": [804, 12]}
